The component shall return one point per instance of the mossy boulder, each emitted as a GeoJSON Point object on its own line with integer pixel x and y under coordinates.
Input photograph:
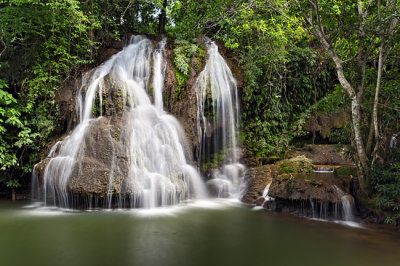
{"type": "Point", "coordinates": [303, 187]}
{"type": "Point", "coordinates": [257, 178]}
{"type": "Point", "coordinates": [298, 164]}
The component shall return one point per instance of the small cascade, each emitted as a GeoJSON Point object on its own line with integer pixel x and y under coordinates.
{"type": "Point", "coordinates": [264, 198]}
{"type": "Point", "coordinates": [347, 205]}
{"type": "Point", "coordinates": [265, 193]}
{"type": "Point", "coordinates": [153, 141]}
{"type": "Point", "coordinates": [35, 185]}
{"type": "Point", "coordinates": [393, 142]}
{"type": "Point", "coordinates": [217, 124]}
{"type": "Point", "coordinates": [323, 169]}
{"type": "Point", "coordinates": [394, 152]}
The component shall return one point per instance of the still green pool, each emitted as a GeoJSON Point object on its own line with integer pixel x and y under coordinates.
{"type": "Point", "coordinates": [198, 233]}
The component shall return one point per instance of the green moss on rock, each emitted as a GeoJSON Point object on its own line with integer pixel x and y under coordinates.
{"type": "Point", "coordinates": [299, 164]}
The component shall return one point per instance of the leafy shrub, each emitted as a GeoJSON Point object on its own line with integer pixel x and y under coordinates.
{"type": "Point", "coordinates": [183, 53]}
{"type": "Point", "coordinates": [385, 181]}
{"type": "Point", "coordinates": [334, 101]}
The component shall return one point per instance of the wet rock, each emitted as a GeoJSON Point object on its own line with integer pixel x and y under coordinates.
{"type": "Point", "coordinates": [303, 187]}
{"type": "Point", "coordinates": [184, 109]}
{"type": "Point", "coordinates": [260, 201]}
{"type": "Point", "coordinates": [257, 178]}
{"type": "Point", "coordinates": [312, 194]}
{"type": "Point", "coordinates": [107, 53]}
{"type": "Point", "coordinates": [40, 168]}
{"type": "Point", "coordinates": [218, 188]}
{"type": "Point", "coordinates": [101, 153]}
{"type": "Point", "coordinates": [297, 189]}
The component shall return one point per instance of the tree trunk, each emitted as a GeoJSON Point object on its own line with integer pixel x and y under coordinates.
{"type": "Point", "coordinates": [13, 194]}
{"type": "Point", "coordinates": [370, 137]}
{"type": "Point", "coordinates": [375, 108]}
{"type": "Point", "coordinates": [162, 19]}
{"type": "Point", "coordinates": [376, 98]}
{"type": "Point", "coordinates": [315, 105]}
{"type": "Point", "coordinates": [363, 168]}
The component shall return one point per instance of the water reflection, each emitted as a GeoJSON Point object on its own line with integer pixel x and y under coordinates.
{"type": "Point", "coordinates": [197, 233]}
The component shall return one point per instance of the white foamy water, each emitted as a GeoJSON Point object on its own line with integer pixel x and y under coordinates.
{"type": "Point", "coordinates": [217, 114]}
{"type": "Point", "coordinates": [155, 142]}
{"type": "Point", "coordinates": [347, 204]}
{"type": "Point", "coordinates": [265, 193]}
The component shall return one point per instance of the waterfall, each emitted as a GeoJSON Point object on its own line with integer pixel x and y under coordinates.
{"type": "Point", "coordinates": [393, 142]}
{"type": "Point", "coordinates": [158, 78]}
{"type": "Point", "coordinates": [265, 193]}
{"type": "Point", "coordinates": [158, 172]}
{"type": "Point", "coordinates": [217, 123]}
{"type": "Point", "coordinates": [347, 204]}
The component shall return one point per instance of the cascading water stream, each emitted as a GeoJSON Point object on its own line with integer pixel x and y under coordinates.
{"type": "Point", "coordinates": [59, 169]}
{"type": "Point", "coordinates": [265, 193]}
{"type": "Point", "coordinates": [217, 123]}
{"type": "Point", "coordinates": [347, 205]}
{"type": "Point", "coordinates": [155, 143]}
{"type": "Point", "coordinates": [158, 76]}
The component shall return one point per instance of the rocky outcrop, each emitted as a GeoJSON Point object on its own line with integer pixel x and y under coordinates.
{"type": "Point", "coordinates": [102, 154]}
{"type": "Point", "coordinates": [296, 188]}
{"type": "Point", "coordinates": [102, 157]}
{"type": "Point", "coordinates": [303, 187]}
{"type": "Point", "coordinates": [325, 123]}
{"type": "Point", "coordinates": [325, 154]}
{"type": "Point", "coordinates": [257, 178]}
{"type": "Point", "coordinates": [185, 109]}
{"type": "Point", "coordinates": [313, 194]}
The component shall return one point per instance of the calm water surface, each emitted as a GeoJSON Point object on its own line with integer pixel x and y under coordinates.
{"type": "Point", "coordinates": [200, 233]}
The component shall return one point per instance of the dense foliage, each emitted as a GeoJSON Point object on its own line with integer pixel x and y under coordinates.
{"type": "Point", "coordinates": [184, 51]}
{"type": "Point", "coordinates": [42, 41]}
{"type": "Point", "coordinates": [386, 182]}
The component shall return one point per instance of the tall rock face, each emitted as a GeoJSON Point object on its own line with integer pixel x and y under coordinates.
{"type": "Point", "coordinates": [100, 164]}
{"type": "Point", "coordinates": [91, 174]}
{"type": "Point", "coordinates": [184, 109]}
